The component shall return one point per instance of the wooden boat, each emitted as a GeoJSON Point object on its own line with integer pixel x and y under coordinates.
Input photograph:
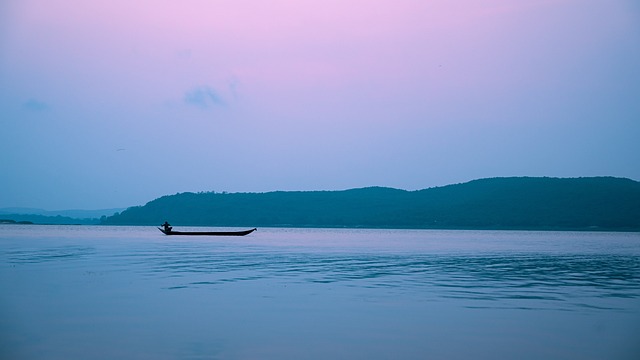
{"type": "Point", "coordinates": [209, 233]}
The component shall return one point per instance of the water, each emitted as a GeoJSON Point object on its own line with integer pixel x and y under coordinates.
{"type": "Point", "coordinates": [74, 292]}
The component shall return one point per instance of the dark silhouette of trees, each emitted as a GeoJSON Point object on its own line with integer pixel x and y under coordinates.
{"type": "Point", "coordinates": [599, 203]}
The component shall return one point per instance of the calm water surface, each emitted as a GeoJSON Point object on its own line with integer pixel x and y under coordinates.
{"type": "Point", "coordinates": [78, 292]}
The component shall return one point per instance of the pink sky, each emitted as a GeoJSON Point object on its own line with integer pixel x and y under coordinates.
{"type": "Point", "coordinates": [286, 95]}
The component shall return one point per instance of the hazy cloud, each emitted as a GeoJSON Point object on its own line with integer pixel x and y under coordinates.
{"type": "Point", "coordinates": [35, 105]}
{"type": "Point", "coordinates": [203, 97]}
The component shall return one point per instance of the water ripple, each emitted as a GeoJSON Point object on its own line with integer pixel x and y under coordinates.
{"type": "Point", "coordinates": [35, 256]}
{"type": "Point", "coordinates": [509, 280]}
{"type": "Point", "coordinates": [519, 278]}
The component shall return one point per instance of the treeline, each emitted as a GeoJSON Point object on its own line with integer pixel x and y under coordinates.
{"type": "Point", "coordinates": [599, 203]}
{"type": "Point", "coordinates": [12, 222]}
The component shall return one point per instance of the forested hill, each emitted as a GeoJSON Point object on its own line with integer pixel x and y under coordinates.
{"type": "Point", "coordinates": [599, 203]}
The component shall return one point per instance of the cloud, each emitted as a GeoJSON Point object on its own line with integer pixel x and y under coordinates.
{"type": "Point", "coordinates": [35, 105]}
{"type": "Point", "coordinates": [203, 97]}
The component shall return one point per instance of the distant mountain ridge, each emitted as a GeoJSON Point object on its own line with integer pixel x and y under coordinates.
{"type": "Point", "coordinates": [74, 213]}
{"type": "Point", "coordinates": [59, 217]}
{"type": "Point", "coordinates": [594, 203]}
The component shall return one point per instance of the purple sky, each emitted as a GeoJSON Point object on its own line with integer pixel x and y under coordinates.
{"type": "Point", "coordinates": [109, 104]}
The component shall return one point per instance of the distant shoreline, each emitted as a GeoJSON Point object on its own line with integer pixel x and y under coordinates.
{"type": "Point", "coordinates": [594, 230]}
{"type": "Point", "coordinates": [13, 222]}
{"type": "Point", "coordinates": [281, 226]}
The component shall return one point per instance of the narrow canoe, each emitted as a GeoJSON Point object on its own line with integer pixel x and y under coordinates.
{"type": "Point", "coordinates": [210, 233]}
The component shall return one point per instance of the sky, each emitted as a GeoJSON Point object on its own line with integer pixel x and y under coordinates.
{"type": "Point", "coordinates": [114, 103]}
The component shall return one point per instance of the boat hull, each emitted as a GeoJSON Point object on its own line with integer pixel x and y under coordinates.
{"type": "Point", "coordinates": [209, 233]}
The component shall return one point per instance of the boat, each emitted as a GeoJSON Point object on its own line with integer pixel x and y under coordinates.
{"type": "Point", "coordinates": [209, 233]}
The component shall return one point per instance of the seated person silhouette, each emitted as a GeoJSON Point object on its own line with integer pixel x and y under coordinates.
{"type": "Point", "coordinates": [166, 226]}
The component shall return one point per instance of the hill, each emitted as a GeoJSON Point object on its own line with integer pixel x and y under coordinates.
{"type": "Point", "coordinates": [48, 220]}
{"type": "Point", "coordinates": [74, 214]}
{"type": "Point", "coordinates": [599, 203]}
{"type": "Point", "coordinates": [60, 217]}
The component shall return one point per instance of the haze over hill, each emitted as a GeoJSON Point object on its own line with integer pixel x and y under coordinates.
{"type": "Point", "coordinates": [74, 213]}
{"type": "Point", "coordinates": [599, 203]}
{"type": "Point", "coordinates": [58, 217]}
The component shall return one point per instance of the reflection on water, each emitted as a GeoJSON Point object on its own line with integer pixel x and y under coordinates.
{"type": "Point", "coordinates": [74, 292]}
{"type": "Point", "coordinates": [518, 280]}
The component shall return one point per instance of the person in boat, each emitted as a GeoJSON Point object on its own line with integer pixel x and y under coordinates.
{"type": "Point", "coordinates": [166, 226]}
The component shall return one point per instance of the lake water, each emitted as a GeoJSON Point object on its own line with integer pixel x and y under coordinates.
{"type": "Point", "coordinates": [91, 292]}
